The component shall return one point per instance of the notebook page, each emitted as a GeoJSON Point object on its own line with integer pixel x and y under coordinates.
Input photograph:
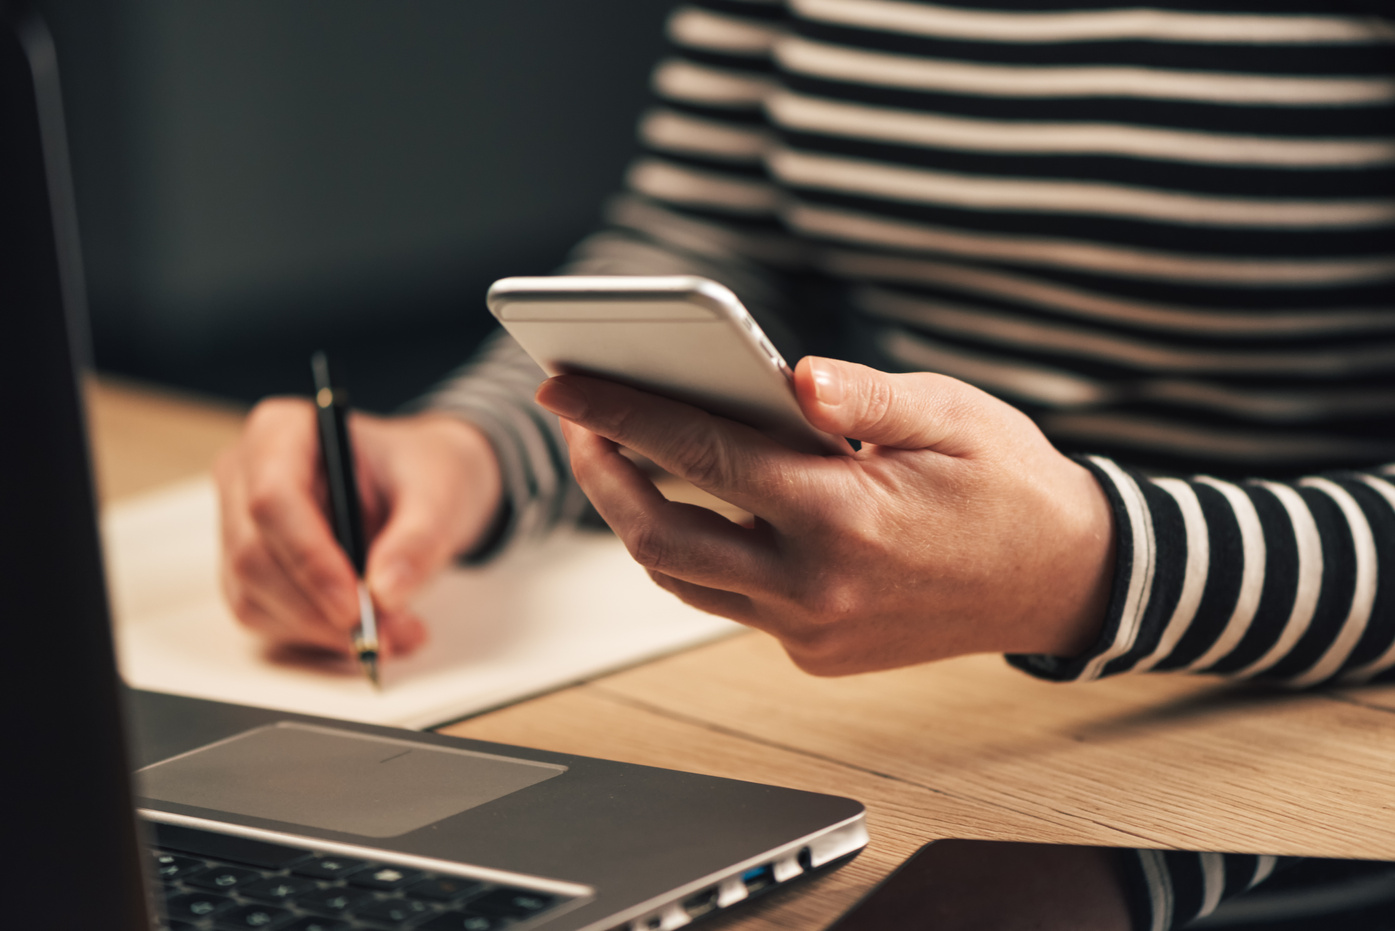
{"type": "Point", "coordinates": [538, 619]}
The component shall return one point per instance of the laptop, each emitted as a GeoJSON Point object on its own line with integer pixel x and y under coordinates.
{"type": "Point", "coordinates": [129, 810]}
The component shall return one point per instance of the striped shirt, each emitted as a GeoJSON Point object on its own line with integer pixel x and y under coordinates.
{"type": "Point", "coordinates": [1166, 233]}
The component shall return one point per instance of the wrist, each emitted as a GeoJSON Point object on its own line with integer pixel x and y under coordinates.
{"type": "Point", "coordinates": [1084, 545]}
{"type": "Point", "coordinates": [475, 461]}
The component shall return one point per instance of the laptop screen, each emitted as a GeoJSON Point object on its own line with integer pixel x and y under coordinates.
{"type": "Point", "coordinates": [69, 818]}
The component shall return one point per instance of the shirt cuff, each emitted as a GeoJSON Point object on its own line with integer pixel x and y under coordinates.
{"type": "Point", "coordinates": [1128, 599]}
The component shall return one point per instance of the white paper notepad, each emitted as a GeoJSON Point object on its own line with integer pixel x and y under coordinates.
{"type": "Point", "coordinates": [541, 618]}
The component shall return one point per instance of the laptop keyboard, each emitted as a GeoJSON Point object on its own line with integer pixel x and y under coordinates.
{"type": "Point", "coordinates": [218, 882]}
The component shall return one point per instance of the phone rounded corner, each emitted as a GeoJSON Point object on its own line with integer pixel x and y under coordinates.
{"type": "Point", "coordinates": [498, 295]}
{"type": "Point", "coordinates": [715, 296]}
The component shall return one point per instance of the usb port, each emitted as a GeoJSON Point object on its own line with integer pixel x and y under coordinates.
{"type": "Point", "coordinates": [758, 878]}
{"type": "Point", "coordinates": [698, 905]}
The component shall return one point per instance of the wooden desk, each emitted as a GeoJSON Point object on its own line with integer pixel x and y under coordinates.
{"type": "Point", "coordinates": [965, 748]}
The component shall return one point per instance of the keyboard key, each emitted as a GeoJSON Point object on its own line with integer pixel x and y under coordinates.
{"type": "Point", "coordinates": [507, 902]}
{"type": "Point", "coordinates": [191, 906]}
{"type": "Point", "coordinates": [330, 868]}
{"type": "Point", "coordinates": [443, 888]}
{"type": "Point", "coordinates": [333, 900]}
{"type": "Point", "coordinates": [460, 921]}
{"type": "Point", "coordinates": [222, 877]}
{"type": "Point", "coordinates": [393, 911]}
{"type": "Point", "coordinates": [268, 917]}
{"type": "Point", "coordinates": [214, 846]}
{"type": "Point", "coordinates": [385, 878]}
{"type": "Point", "coordinates": [277, 888]}
{"type": "Point", "coordinates": [169, 867]}
{"type": "Point", "coordinates": [318, 924]}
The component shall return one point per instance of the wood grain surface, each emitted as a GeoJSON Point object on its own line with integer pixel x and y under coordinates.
{"type": "Point", "coordinates": [145, 437]}
{"type": "Point", "coordinates": [965, 748]}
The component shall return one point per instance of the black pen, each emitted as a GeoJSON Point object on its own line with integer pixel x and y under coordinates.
{"type": "Point", "coordinates": [345, 511]}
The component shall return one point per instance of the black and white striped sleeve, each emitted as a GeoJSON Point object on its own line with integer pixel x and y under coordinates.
{"type": "Point", "coordinates": [1168, 889]}
{"type": "Point", "coordinates": [696, 201]}
{"type": "Point", "coordinates": [1249, 579]}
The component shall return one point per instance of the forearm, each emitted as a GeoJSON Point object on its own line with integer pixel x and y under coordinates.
{"type": "Point", "coordinates": [1253, 579]}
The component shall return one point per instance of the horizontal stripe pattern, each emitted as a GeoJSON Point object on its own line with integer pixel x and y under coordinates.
{"type": "Point", "coordinates": [683, 133]}
{"type": "Point", "coordinates": [1022, 334]}
{"type": "Point", "coordinates": [682, 184]}
{"type": "Point", "coordinates": [907, 127]}
{"type": "Point", "coordinates": [695, 28]}
{"type": "Point", "coordinates": [1265, 579]}
{"type": "Point", "coordinates": [880, 69]}
{"type": "Point", "coordinates": [877, 180]}
{"type": "Point", "coordinates": [868, 230]}
{"type": "Point", "coordinates": [704, 84]}
{"type": "Point", "coordinates": [1085, 25]}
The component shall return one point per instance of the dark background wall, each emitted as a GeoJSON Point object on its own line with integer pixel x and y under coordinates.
{"type": "Point", "coordinates": [257, 178]}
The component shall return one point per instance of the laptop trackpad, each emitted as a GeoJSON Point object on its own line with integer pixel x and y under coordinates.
{"type": "Point", "coordinates": [337, 780]}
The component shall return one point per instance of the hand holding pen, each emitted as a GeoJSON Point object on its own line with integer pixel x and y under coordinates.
{"type": "Point", "coordinates": [430, 487]}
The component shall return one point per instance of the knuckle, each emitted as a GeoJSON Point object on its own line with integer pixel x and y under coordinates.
{"type": "Point", "coordinates": [248, 561]}
{"type": "Point", "coordinates": [960, 406]}
{"type": "Point", "coordinates": [818, 654]}
{"type": "Point", "coordinates": [830, 600]}
{"type": "Point", "coordinates": [779, 479]}
{"type": "Point", "coordinates": [706, 459]}
{"type": "Point", "coordinates": [859, 530]}
{"type": "Point", "coordinates": [265, 500]}
{"type": "Point", "coordinates": [876, 402]}
{"type": "Point", "coordinates": [309, 561]}
{"type": "Point", "coordinates": [273, 413]}
{"type": "Point", "coordinates": [618, 422]}
{"type": "Point", "coordinates": [648, 547]}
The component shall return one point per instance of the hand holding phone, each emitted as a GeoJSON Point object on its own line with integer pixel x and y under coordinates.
{"type": "Point", "coordinates": [891, 556]}
{"type": "Point", "coordinates": [682, 337]}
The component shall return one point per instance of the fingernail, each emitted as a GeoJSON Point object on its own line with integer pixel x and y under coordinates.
{"type": "Point", "coordinates": [562, 399]}
{"type": "Point", "coordinates": [828, 383]}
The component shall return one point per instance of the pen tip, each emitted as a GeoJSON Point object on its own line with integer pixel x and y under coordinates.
{"type": "Point", "coordinates": [369, 661]}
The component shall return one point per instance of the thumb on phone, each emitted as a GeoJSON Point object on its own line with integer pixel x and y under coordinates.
{"type": "Point", "coordinates": [917, 410]}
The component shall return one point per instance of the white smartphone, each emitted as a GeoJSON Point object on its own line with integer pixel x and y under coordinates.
{"type": "Point", "coordinates": [679, 336]}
